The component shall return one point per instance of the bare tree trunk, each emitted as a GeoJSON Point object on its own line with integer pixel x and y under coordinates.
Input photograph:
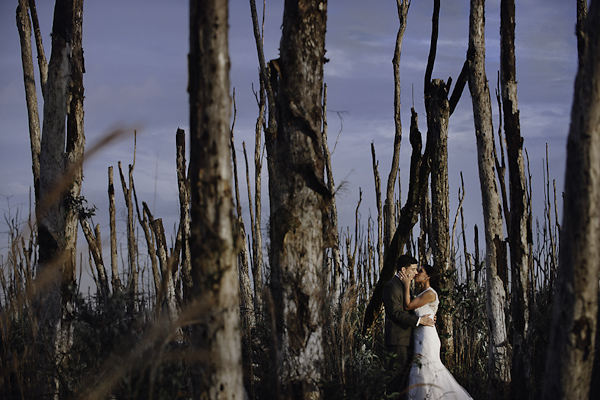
{"type": "Point", "coordinates": [390, 203]}
{"type": "Point", "coordinates": [299, 200]}
{"type": "Point", "coordinates": [498, 362]}
{"type": "Point", "coordinates": [95, 244]}
{"type": "Point", "coordinates": [265, 86]}
{"type": "Point", "coordinates": [336, 271]}
{"type": "Point", "coordinates": [418, 183]}
{"type": "Point", "coordinates": [61, 157]}
{"type": "Point", "coordinates": [380, 216]}
{"type": "Point", "coordinates": [165, 297]}
{"type": "Point", "coordinates": [519, 234]}
{"type": "Point", "coordinates": [132, 280]}
{"type": "Point", "coordinates": [24, 27]}
{"type": "Point", "coordinates": [437, 123]}
{"type": "Point", "coordinates": [574, 319]}
{"type": "Point", "coordinates": [214, 311]}
{"type": "Point", "coordinates": [114, 261]}
{"type": "Point", "coordinates": [247, 311]}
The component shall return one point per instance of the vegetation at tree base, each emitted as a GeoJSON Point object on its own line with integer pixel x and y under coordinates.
{"type": "Point", "coordinates": [195, 319]}
{"type": "Point", "coordinates": [131, 352]}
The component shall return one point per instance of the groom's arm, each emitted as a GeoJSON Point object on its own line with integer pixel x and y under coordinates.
{"type": "Point", "coordinates": [393, 301]}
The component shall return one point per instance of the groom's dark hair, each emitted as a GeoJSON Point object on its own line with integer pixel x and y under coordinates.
{"type": "Point", "coordinates": [404, 261]}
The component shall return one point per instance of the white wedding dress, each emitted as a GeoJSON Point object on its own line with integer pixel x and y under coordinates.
{"type": "Point", "coordinates": [429, 378]}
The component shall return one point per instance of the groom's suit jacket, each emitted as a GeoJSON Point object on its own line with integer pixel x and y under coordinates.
{"type": "Point", "coordinates": [398, 322]}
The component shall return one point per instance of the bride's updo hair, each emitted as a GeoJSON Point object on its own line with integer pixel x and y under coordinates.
{"type": "Point", "coordinates": [434, 276]}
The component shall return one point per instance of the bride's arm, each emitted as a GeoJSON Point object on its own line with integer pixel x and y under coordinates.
{"type": "Point", "coordinates": [424, 298]}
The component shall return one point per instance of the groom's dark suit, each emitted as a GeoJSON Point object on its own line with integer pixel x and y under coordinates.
{"type": "Point", "coordinates": [399, 324]}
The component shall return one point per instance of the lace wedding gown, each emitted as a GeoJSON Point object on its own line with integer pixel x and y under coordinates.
{"type": "Point", "coordinates": [429, 378]}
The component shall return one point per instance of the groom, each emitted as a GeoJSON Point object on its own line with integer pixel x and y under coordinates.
{"type": "Point", "coordinates": [399, 323]}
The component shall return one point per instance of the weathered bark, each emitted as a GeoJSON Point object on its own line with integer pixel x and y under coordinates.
{"type": "Point", "coordinates": [24, 27]}
{"type": "Point", "coordinates": [146, 219]}
{"type": "Point", "coordinates": [299, 200]}
{"type": "Point", "coordinates": [165, 297]}
{"type": "Point", "coordinates": [419, 178]}
{"type": "Point", "coordinates": [574, 316]}
{"type": "Point", "coordinates": [498, 361]}
{"type": "Point", "coordinates": [437, 133]}
{"type": "Point", "coordinates": [183, 185]}
{"type": "Point", "coordinates": [390, 203]}
{"type": "Point", "coordinates": [216, 365]}
{"type": "Point", "coordinates": [519, 233]}
{"type": "Point", "coordinates": [61, 157]}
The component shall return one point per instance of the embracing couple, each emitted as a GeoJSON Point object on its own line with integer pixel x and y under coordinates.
{"type": "Point", "coordinates": [422, 374]}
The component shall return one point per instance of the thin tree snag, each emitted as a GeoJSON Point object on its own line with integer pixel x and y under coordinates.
{"type": "Point", "coordinates": [575, 310]}
{"type": "Point", "coordinates": [114, 261]}
{"type": "Point", "coordinates": [336, 272]}
{"type": "Point", "coordinates": [419, 175]}
{"type": "Point", "coordinates": [24, 27]}
{"type": "Point", "coordinates": [95, 246]}
{"type": "Point", "coordinates": [265, 86]}
{"type": "Point", "coordinates": [377, 179]}
{"type": "Point", "coordinates": [390, 204]}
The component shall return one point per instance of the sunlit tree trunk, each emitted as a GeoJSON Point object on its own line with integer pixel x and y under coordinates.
{"type": "Point", "coordinates": [24, 27]}
{"type": "Point", "coordinates": [299, 200]}
{"type": "Point", "coordinates": [216, 365]}
{"type": "Point", "coordinates": [574, 317]}
{"type": "Point", "coordinates": [57, 209]}
{"type": "Point", "coordinates": [520, 230]}
{"type": "Point", "coordinates": [498, 361]}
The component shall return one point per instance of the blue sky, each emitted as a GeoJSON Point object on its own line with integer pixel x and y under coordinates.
{"type": "Point", "coordinates": [136, 76]}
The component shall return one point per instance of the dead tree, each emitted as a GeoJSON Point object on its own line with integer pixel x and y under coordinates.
{"type": "Point", "coordinates": [574, 315]}
{"type": "Point", "coordinates": [390, 202]}
{"type": "Point", "coordinates": [299, 199]}
{"type": "Point", "coordinates": [216, 369]}
{"type": "Point", "coordinates": [498, 361]}
{"type": "Point", "coordinates": [336, 268]}
{"type": "Point", "coordinates": [519, 232]}
{"type": "Point", "coordinates": [419, 178]}
{"type": "Point", "coordinates": [58, 185]}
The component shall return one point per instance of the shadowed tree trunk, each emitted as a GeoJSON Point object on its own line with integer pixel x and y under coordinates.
{"type": "Point", "coordinates": [574, 315]}
{"type": "Point", "coordinates": [299, 199]}
{"type": "Point", "coordinates": [419, 178]}
{"type": "Point", "coordinates": [498, 361]}
{"type": "Point", "coordinates": [519, 235]}
{"type": "Point", "coordinates": [437, 123]}
{"type": "Point", "coordinates": [216, 368]}
{"type": "Point", "coordinates": [390, 203]}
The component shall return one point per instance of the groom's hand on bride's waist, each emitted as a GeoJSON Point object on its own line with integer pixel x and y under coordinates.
{"type": "Point", "coordinates": [426, 320]}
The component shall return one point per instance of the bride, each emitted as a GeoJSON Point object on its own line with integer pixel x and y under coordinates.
{"type": "Point", "coordinates": [428, 377]}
